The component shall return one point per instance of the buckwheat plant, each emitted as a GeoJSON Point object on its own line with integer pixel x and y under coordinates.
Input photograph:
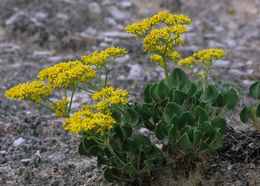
{"type": "Point", "coordinates": [252, 112]}
{"type": "Point", "coordinates": [187, 114]}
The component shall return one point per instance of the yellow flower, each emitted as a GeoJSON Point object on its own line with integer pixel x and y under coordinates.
{"type": "Point", "coordinates": [88, 121]}
{"type": "Point", "coordinates": [157, 59]}
{"type": "Point", "coordinates": [31, 91]}
{"type": "Point", "coordinates": [142, 28]}
{"type": "Point", "coordinates": [187, 62]}
{"type": "Point", "coordinates": [159, 37]}
{"type": "Point", "coordinates": [200, 74]}
{"type": "Point", "coordinates": [209, 55]}
{"type": "Point", "coordinates": [60, 107]}
{"type": "Point", "coordinates": [99, 58]}
{"type": "Point", "coordinates": [108, 96]}
{"type": "Point", "coordinates": [63, 74]}
{"type": "Point", "coordinates": [175, 56]}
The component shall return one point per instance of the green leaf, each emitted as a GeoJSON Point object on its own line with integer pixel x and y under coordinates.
{"type": "Point", "coordinates": [101, 160]}
{"type": "Point", "coordinates": [160, 131]}
{"type": "Point", "coordinates": [230, 98]}
{"type": "Point", "coordinates": [88, 147]}
{"type": "Point", "coordinates": [216, 142]}
{"type": "Point", "coordinates": [146, 96]}
{"type": "Point", "coordinates": [143, 113]}
{"type": "Point", "coordinates": [116, 115]}
{"type": "Point", "coordinates": [246, 114]}
{"type": "Point", "coordinates": [219, 123]}
{"type": "Point", "coordinates": [192, 90]}
{"type": "Point", "coordinates": [209, 94]}
{"type": "Point", "coordinates": [205, 147]}
{"type": "Point", "coordinates": [178, 96]}
{"type": "Point", "coordinates": [162, 90]}
{"type": "Point", "coordinates": [148, 109]}
{"type": "Point", "coordinates": [179, 80]}
{"type": "Point", "coordinates": [197, 134]}
{"type": "Point", "coordinates": [142, 142]}
{"type": "Point", "coordinates": [185, 119]}
{"type": "Point", "coordinates": [257, 110]}
{"type": "Point", "coordinates": [129, 145]}
{"type": "Point", "coordinates": [171, 133]}
{"type": "Point", "coordinates": [183, 142]}
{"type": "Point", "coordinates": [254, 90]}
{"type": "Point", "coordinates": [219, 102]}
{"type": "Point", "coordinates": [109, 174]}
{"type": "Point", "coordinates": [154, 93]}
{"type": "Point", "coordinates": [157, 155]}
{"type": "Point", "coordinates": [201, 114]}
{"type": "Point", "coordinates": [132, 118]}
{"type": "Point", "coordinates": [129, 169]}
{"type": "Point", "coordinates": [171, 110]}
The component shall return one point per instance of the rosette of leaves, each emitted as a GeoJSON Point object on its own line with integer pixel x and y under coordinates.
{"type": "Point", "coordinates": [252, 112]}
{"type": "Point", "coordinates": [125, 155]}
{"type": "Point", "coordinates": [190, 118]}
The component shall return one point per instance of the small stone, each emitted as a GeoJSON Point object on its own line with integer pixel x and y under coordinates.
{"type": "Point", "coordinates": [110, 21]}
{"type": "Point", "coordinates": [136, 72]}
{"type": "Point", "coordinates": [222, 63]}
{"type": "Point", "coordinates": [3, 152]}
{"type": "Point", "coordinates": [230, 167]}
{"type": "Point", "coordinates": [123, 59]}
{"type": "Point", "coordinates": [41, 15]}
{"type": "Point", "coordinates": [20, 141]}
{"type": "Point", "coordinates": [25, 161]}
{"type": "Point", "coordinates": [214, 165]}
{"type": "Point", "coordinates": [117, 34]}
{"type": "Point", "coordinates": [118, 14]}
{"type": "Point", "coordinates": [231, 43]}
{"type": "Point", "coordinates": [251, 145]}
{"type": "Point", "coordinates": [63, 16]}
{"type": "Point", "coordinates": [94, 9]}
{"type": "Point", "coordinates": [125, 4]}
{"type": "Point", "coordinates": [42, 53]}
{"type": "Point", "coordinates": [55, 59]}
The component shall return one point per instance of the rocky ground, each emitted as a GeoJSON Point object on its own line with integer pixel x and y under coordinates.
{"type": "Point", "coordinates": [35, 149]}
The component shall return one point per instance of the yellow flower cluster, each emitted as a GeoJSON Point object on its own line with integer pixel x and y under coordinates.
{"type": "Point", "coordinates": [88, 121]}
{"type": "Point", "coordinates": [155, 58]}
{"type": "Point", "coordinates": [99, 58]}
{"type": "Point", "coordinates": [209, 55]}
{"type": "Point", "coordinates": [161, 37]}
{"type": "Point", "coordinates": [109, 96]}
{"type": "Point", "coordinates": [63, 74]}
{"type": "Point", "coordinates": [60, 107]}
{"type": "Point", "coordinates": [187, 62]}
{"type": "Point", "coordinates": [32, 91]}
{"type": "Point", "coordinates": [142, 28]}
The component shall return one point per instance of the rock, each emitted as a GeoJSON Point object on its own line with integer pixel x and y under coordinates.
{"type": "Point", "coordinates": [123, 59]}
{"type": "Point", "coordinates": [20, 141]}
{"type": "Point", "coordinates": [222, 63]}
{"type": "Point", "coordinates": [110, 21]}
{"type": "Point", "coordinates": [117, 34]}
{"type": "Point", "coordinates": [41, 15]}
{"type": "Point", "coordinates": [42, 53]}
{"type": "Point", "coordinates": [3, 152]}
{"type": "Point", "coordinates": [125, 4]}
{"type": "Point", "coordinates": [136, 72]}
{"type": "Point", "coordinates": [55, 59]}
{"type": "Point", "coordinates": [94, 9]}
{"type": "Point", "coordinates": [231, 43]}
{"type": "Point", "coordinates": [118, 14]}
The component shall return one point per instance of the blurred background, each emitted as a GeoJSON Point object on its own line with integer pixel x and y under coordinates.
{"type": "Point", "coordinates": [35, 34]}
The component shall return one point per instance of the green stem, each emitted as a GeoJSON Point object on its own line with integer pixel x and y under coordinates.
{"type": "Point", "coordinates": [45, 106]}
{"type": "Point", "coordinates": [166, 71]}
{"type": "Point", "coordinates": [100, 79]}
{"type": "Point", "coordinates": [86, 90]}
{"type": "Point", "coordinates": [71, 99]}
{"type": "Point", "coordinates": [114, 154]}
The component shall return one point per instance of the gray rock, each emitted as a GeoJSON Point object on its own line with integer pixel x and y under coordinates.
{"type": "Point", "coordinates": [125, 4]}
{"type": "Point", "coordinates": [94, 9]}
{"type": "Point", "coordinates": [123, 59]}
{"type": "Point", "coordinates": [231, 43]}
{"type": "Point", "coordinates": [20, 141]}
{"type": "Point", "coordinates": [41, 15]}
{"type": "Point", "coordinates": [222, 63]}
{"type": "Point", "coordinates": [3, 152]}
{"type": "Point", "coordinates": [136, 72]}
{"type": "Point", "coordinates": [118, 34]}
{"type": "Point", "coordinates": [110, 21]}
{"type": "Point", "coordinates": [42, 53]}
{"type": "Point", "coordinates": [118, 14]}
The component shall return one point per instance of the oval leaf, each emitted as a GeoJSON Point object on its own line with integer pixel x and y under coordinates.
{"type": "Point", "coordinates": [254, 90]}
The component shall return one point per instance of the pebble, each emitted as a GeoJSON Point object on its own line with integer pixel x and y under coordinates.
{"type": "Point", "coordinates": [3, 152]}
{"type": "Point", "coordinates": [125, 4]}
{"type": "Point", "coordinates": [136, 72]}
{"type": "Point", "coordinates": [118, 14]}
{"type": "Point", "coordinates": [20, 141]}
{"type": "Point", "coordinates": [94, 9]}
{"type": "Point", "coordinates": [42, 53]}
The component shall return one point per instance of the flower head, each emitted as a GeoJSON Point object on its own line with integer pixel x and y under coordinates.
{"type": "Point", "coordinates": [32, 91]}
{"type": "Point", "coordinates": [209, 55]}
{"type": "Point", "coordinates": [187, 62]}
{"type": "Point", "coordinates": [99, 58]}
{"type": "Point", "coordinates": [60, 107]}
{"type": "Point", "coordinates": [109, 96]}
{"type": "Point", "coordinates": [89, 121]}
{"type": "Point", "coordinates": [63, 74]}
